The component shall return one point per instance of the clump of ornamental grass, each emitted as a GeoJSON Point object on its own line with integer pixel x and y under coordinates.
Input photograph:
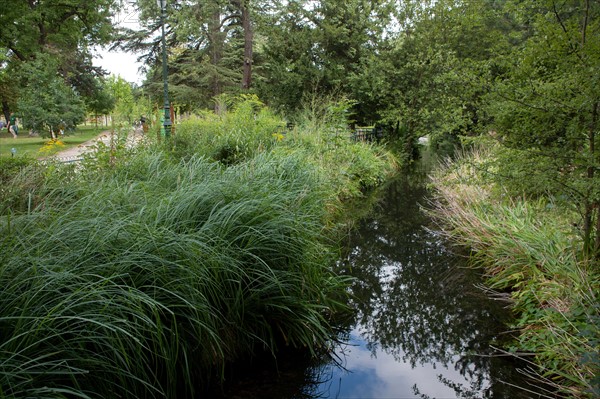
{"type": "Point", "coordinates": [329, 113]}
{"type": "Point", "coordinates": [238, 134]}
{"type": "Point", "coordinates": [19, 176]}
{"type": "Point", "coordinates": [527, 247]}
{"type": "Point", "coordinates": [25, 182]}
{"type": "Point", "coordinates": [160, 273]}
{"type": "Point", "coordinates": [359, 166]}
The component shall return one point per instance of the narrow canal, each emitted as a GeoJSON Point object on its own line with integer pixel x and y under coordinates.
{"type": "Point", "coordinates": [421, 329]}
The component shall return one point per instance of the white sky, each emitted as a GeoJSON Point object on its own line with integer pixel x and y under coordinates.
{"type": "Point", "coordinates": [117, 62]}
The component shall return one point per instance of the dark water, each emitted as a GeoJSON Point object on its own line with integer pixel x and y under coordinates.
{"type": "Point", "coordinates": [422, 328]}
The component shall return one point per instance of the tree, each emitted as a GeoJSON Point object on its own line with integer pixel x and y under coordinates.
{"type": "Point", "coordinates": [62, 30]}
{"type": "Point", "coordinates": [210, 47]}
{"type": "Point", "coordinates": [546, 105]}
{"type": "Point", "coordinates": [102, 102]}
{"type": "Point", "coordinates": [121, 91]}
{"type": "Point", "coordinates": [248, 31]}
{"type": "Point", "coordinates": [429, 76]}
{"type": "Point", "coordinates": [46, 102]}
{"type": "Point", "coordinates": [290, 69]}
{"type": "Point", "coordinates": [320, 47]}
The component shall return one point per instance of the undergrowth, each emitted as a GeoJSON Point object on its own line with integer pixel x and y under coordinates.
{"type": "Point", "coordinates": [529, 249]}
{"type": "Point", "coordinates": [144, 271]}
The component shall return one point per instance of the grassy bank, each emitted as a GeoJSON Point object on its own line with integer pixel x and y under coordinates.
{"type": "Point", "coordinates": [144, 273]}
{"type": "Point", "coordinates": [322, 139]}
{"type": "Point", "coordinates": [530, 253]}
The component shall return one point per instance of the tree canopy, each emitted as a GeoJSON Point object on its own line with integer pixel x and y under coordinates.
{"type": "Point", "coordinates": [46, 103]}
{"type": "Point", "coordinates": [57, 34]}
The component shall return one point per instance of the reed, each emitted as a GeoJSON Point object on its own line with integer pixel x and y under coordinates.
{"type": "Point", "coordinates": [529, 249]}
{"type": "Point", "coordinates": [148, 287]}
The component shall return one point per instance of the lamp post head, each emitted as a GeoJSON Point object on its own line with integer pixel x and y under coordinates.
{"type": "Point", "coordinates": [161, 3]}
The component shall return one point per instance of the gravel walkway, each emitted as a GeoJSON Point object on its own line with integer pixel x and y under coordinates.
{"type": "Point", "coordinates": [75, 153]}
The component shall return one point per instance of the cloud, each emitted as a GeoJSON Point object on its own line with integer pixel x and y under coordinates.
{"type": "Point", "coordinates": [383, 376]}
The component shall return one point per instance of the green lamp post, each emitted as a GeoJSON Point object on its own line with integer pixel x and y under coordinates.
{"type": "Point", "coordinates": [167, 118]}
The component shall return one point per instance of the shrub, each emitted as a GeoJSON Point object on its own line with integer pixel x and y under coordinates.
{"type": "Point", "coordinates": [238, 135]}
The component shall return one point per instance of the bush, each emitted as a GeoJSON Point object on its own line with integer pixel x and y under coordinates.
{"type": "Point", "coordinates": [238, 135]}
{"type": "Point", "coordinates": [322, 132]}
{"type": "Point", "coordinates": [320, 137]}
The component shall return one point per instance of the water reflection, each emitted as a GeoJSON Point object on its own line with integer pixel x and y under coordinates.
{"type": "Point", "coordinates": [383, 376]}
{"type": "Point", "coordinates": [421, 328]}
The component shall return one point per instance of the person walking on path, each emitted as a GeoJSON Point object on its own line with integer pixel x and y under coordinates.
{"type": "Point", "coordinates": [12, 125]}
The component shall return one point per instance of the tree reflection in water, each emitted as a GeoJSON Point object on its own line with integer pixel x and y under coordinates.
{"type": "Point", "coordinates": [420, 327]}
{"type": "Point", "coordinates": [416, 302]}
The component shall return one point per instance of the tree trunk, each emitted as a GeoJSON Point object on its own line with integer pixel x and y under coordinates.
{"type": "Point", "coordinates": [587, 228]}
{"type": "Point", "coordinates": [596, 249]}
{"type": "Point", "coordinates": [215, 38]}
{"type": "Point", "coordinates": [591, 172]}
{"type": "Point", "coordinates": [6, 110]}
{"type": "Point", "coordinates": [172, 115]}
{"type": "Point", "coordinates": [248, 39]}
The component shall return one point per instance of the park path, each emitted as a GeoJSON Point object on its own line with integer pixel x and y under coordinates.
{"type": "Point", "coordinates": [74, 154]}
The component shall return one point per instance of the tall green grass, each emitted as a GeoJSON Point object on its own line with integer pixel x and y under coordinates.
{"type": "Point", "coordinates": [320, 135]}
{"type": "Point", "coordinates": [245, 130]}
{"type": "Point", "coordinates": [155, 278]}
{"type": "Point", "coordinates": [26, 182]}
{"type": "Point", "coordinates": [353, 167]}
{"type": "Point", "coordinates": [145, 271]}
{"type": "Point", "coordinates": [528, 249]}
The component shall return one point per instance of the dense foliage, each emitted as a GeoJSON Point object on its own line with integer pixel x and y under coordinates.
{"type": "Point", "coordinates": [46, 103]}
{"type": "Point", "coordinates": [146, 270]}
{"type": "Point", "coordinates": [528, 251]}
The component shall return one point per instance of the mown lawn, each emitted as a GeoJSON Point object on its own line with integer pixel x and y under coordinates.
{"type": "Point", "coordinates": [25, 145]}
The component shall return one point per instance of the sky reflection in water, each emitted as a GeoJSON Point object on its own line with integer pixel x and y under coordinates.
{"type": "Point", "coordinates": [421, 329]}
{"type": "Point", "coordinates": [382, 376]}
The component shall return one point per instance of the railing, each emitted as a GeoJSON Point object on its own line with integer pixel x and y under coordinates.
{"type": "Point", "coordinates": [77, 158]}
{"type": "Point", "coordinates": [368, 134]}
